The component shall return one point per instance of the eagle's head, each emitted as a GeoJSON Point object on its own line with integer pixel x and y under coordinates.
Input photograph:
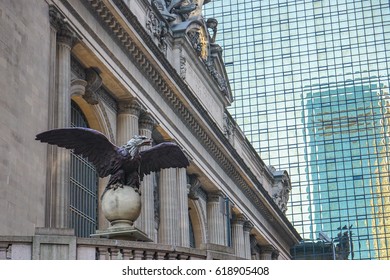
{"type": "Point", "coordinates": [135, 143]}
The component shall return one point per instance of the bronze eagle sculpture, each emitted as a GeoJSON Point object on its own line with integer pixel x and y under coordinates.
{"type": "Point", "coordinates": [127, 165]}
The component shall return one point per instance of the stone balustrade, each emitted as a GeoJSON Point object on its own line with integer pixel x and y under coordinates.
{"type": "Point", "coordinates": [59, 247]}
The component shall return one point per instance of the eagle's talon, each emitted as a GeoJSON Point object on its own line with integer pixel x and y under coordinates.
{"type": "Point", "coordinates": [117, 185]}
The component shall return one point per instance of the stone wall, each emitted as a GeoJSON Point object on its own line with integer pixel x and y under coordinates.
{"type": "Point", "coordinates": [24, 48]}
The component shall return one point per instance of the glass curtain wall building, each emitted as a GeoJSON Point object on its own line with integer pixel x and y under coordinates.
{"type": "Point", "coordinates": [311, 88]}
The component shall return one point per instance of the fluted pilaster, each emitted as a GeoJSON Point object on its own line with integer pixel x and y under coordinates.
{"type": "Point", "coordinates": [238, 236]}
{"type": "Point", "coordinates": [169, 216]}
{"type": "Point", "coordinates": [215, 218]}
{"type": "Point", "coordinates": [50, 218]}
{"type": "Point", "coordinates": [60, 115]}
{"type": "Point", "coordinates": [146, 219]}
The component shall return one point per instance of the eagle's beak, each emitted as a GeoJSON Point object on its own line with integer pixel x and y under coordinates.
{"type": "Point", "coordinates": [147, 142]}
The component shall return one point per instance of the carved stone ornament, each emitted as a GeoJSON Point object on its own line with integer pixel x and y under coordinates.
{"type": "Point", "coordinates": [77, 87]}
{"type": "Point", "coordinates": [177, 10]}
{"type": "Point", "coordinates": [157, 29]}
{"type": "Point", "coordinates": [228, 126]}
{"type": "Point", "coordinates": [94, 82]}
{"type": "Point", "coordinates": [194, 187]}
{"type": "Point", "coordinates": [222, 83]}
{"type": "Point", "coordinates": [281, 189]}
{"type": "Point", "coordinates": [199, 41]}
{"type": "Point", "coordinates": [183, 67]}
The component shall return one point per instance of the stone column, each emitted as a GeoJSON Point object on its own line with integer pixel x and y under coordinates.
{"type": "Point", "coordinates": [215, 219]}
{"type": "Point", "coordinates": [247, 244]}
{"type": "Point", "coordinates": [184, 221]}
{"type": "Point", "coordinates": [127, 120]}
{"type": "Point", "coordinates": [169, 216]}
{"type": "Point", "coordinates": [61, 114]}
{"type": "Point", "coordinates": [146, 219]}
{"type": "Point", "coordinates": [127, 126]}
{"type": "Point", "coordinates": [238, 236]}
{"type": "Point", "coordinates": [266, 252]}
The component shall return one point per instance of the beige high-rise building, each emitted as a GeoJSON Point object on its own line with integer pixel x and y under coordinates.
{"type": "Point", "coordinates": [127, 67]}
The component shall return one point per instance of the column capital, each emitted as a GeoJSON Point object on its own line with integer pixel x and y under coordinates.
{"type": "Point", "coordinates": [214, 196]}
{"type": "Point", "coordinates": [248, 226]}
{"type": "Point", "coordinates": [131, 106]}
{"type": "Point", "coordinates": [275, 255]}
{"type": "Point", "coordinates": [55, 17]}
{"type": "Point", "coordinates": [66, 35]}
{"type": "Point", "coordinates": [147, 121]}
{"type": "Point", "coordinates": [267, 249]}
{"type": "Point", "coordinates": [239, 219]}
{"type": "Point", "coordinates": [266, 252]}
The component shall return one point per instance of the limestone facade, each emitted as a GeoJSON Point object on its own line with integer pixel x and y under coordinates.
{"type": "Point", "coordinates": [132, 68]}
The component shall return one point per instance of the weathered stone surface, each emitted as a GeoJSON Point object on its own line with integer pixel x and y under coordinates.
{"type": "Point", "coordinates": [24, 48]}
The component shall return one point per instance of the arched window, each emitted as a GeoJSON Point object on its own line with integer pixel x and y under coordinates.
{"type": "Point", "coordinates": [83, 186]}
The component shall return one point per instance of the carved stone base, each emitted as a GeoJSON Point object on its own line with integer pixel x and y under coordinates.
{"type": "Point", "coordinates": [124, 233]}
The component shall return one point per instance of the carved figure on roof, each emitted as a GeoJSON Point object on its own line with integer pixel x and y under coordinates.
{"type": "Point", "coordinates": [171, 10]}
{"type": "Point", "coordinates": [280, 191]}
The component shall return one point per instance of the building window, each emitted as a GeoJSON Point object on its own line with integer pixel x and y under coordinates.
{"type": "Point", "coordinates": [83, 186]}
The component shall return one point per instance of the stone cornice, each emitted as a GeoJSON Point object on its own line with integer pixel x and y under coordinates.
{"type": "Point", "coordinates": [258, 196]}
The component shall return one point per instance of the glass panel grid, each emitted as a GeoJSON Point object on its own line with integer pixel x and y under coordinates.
{"type": "Point", "coordinates": [311, 86]}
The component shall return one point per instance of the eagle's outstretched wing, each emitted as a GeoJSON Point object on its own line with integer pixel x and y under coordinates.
{"type": "Point", "coordinates": [89, 143]}
{"type": "Point", "coordinates": [163, 155]}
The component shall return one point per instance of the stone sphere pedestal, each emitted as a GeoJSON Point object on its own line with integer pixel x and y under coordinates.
{"type": "Point", "coordinates": [122, 207]}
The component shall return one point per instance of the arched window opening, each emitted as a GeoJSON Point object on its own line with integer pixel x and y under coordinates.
{"type": "Point", "coordinates": [83, 186]}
